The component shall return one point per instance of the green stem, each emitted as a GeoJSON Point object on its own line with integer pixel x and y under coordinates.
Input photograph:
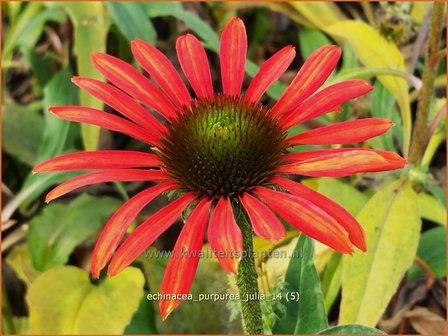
{"type": "Point", "coordinates": [248, 285]}
{"type": "Point", "coordinates": [429, 74]}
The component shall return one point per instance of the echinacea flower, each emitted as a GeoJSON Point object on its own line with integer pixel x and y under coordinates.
{"type": "Point", "coordinates": [220, 151]}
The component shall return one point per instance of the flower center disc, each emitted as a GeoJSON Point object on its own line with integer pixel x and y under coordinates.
{"type": "Point", "coordinates": [222, 146]}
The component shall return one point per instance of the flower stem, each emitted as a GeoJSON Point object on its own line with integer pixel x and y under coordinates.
{"type": "Point", "coordinates": [248, 285]}
{"type": "Point", "coordinates": [429, 74]}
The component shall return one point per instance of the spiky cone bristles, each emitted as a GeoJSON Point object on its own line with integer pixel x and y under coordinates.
{"type": "Point", "coordinates": [217, 151]}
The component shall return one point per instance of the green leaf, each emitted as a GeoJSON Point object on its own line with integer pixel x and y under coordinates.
{"type": "Point", "coordinates": [143, 320]}
{"type": "Point", "coordinates": [55, 233]}
{"type": "Point", "coordinates": [331, 280]}
{"type": "Point", "coordinates": [131, 20]}
{"type": "Point", "coordinates": [19, 259]}
{"type": "Point", "coordinates": [59, 91]}
{"type": "Point", "coordinates": [343, 193]}
{"type": "Point", "coordinates": [431, 209]}
{"type": "Point", "coordinates": [375, 51]}
{"type": "Point", "coordinates": [40, 64]}
{"type": "Point", "coordinates": [307, 314]}
{"type": "Point", "coordinates": [351, 329]}
{"type": "Point", "coordinates": [64, 301]}
{"type": "Point", "coordinates": [29, 26]}
{"type": "Point", "coordinates": [382, 107]}
{"type": "Point", "coordinates": [432, 250]}
{"type": "Point", "coordinates": [392, 224]}
{"type": "Point", "coordinates": [90, 35]}
{"type": "Point", "coordinates": [311, 39]}
{"type": "Point", "coordinates": [55, 139]}
{"type": "Point", "coordinates": [19, 120]}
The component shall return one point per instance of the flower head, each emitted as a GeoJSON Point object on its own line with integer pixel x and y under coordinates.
{"type": "Point", "coordinates": [220, 151]}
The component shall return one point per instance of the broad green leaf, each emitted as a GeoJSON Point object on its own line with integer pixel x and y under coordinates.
{"type": "Point", "coordinates": [55, 139]}
{"type": "Point", "coordinates": [343, 193]}
{"type": "Point", "coordinates": [55, 233]}
{"type": "Point", "coordinates": [438, 192]}
{"type": "Point", "coordinates": [392, 224]}
{"type": "Point", "coordinates": [89, 36]}
{"type": "Point", "coordinates": [382, 107]}
{"type": "Point", "coordinates": [59, 91]}
{"type": "Point", "coordinates": [431, 209]}
{"type": "Point", "coordinates": [375, 51]}
{"type": "Point", "coordinates": [320, 14]}
{"type": "Point", "coordinates": [432, 250]}
{"type": "Point", "coordinates": [41, 65]}
{"type": "Point", "coordinates": [143, 320]}
{"type": "Point", "coordinates": [331, 280]}
{"type": "Point", "coordinates": [302, 296]}
{"type": "Point", "coordinates": [311, 39]}
{"type": "Point", "coordinates": [22, 130]}
{"type": "Point", "coordinates": [64, 301]}
{"type": "Point", "coordinates": [351, 329]}
{"type": "Point", "coordinates": [132, 21]}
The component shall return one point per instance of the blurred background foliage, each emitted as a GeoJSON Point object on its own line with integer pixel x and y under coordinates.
{"type": "Point", "coordinates": [398, 285]}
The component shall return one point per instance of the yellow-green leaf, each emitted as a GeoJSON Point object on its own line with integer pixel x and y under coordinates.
{"type": "Point", "coordinates": [375, 51]}
{"type": "Point", "coordinates": [430, 208]}
{"type": "Point", "coordinates": [89, 36]}
{"type": "Point", "coordinates": [319, 13]}
{"type": "Point", "coordinates": [64, 301]}
{"type": "Point", "coordinates": [369, 280]}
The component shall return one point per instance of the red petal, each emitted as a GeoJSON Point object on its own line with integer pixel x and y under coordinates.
{"type": "Point", "coordinates": [270, 71]}
{"type": "Point", "coordinates": [107, 175]}
{"type": "Point", "coordinates": [117, 225]}
{"type": "Point", "coordinates": [181, 268]}
{"type": "Point", "coordinates": [145, 234]}
{"type": "Point", "coordinates": [163, 72]}
{"type": "Point", "coordinates": [232, 56]}
{"type": "Point", "coordinates": [131, 81]}
{"type": "Point", "coordinates": [313, 73]}
{"type": "Point", "coordinates": [224, 236]}
{"type": "Point", "coordinates": [342, 162]}
{"type": "Point", "coordinates": [194, 63]}
{"type": "Point", "coordinates": [119, 101]}
{"type": "Point", "coordinates": [342, 216]}
{"type": "Point", "coordinates": [308, 218]}
{"type": "Point", "coordinates": [326, 100]}
{"type": "Point", "coordinates": [344, 132]}
{"type": "Point", "coordinates": [264, 222]}
{"type": "Point", "coordinates": [96, 117]}
{"type": "Point", "coordinates": [102, 159]}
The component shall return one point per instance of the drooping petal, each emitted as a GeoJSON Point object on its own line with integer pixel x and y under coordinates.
{"type": "Point", "coordinates": [117, 225]}
{"type": "Point", "coordinates": [120, 101]}
{"type": "Point", "coordinates": [326, 100]}
{"type": "Point", "coordinates": [131, 81]}
{"type": "Point", "coordinates": [270, 71]}
{"type": "Point", "coordinates": [345, 162]}
{"type": "Point", "coordinates": [224, 236]}
{"type": "Point", "coordinates": [106, 120]}
{"type": "Point", "coordinates": [313, 73]}
{"type": "Point", "coordinates": [147, 232]}
{"type": "Point", "coordinates": [342, 216]}
{"type": "Point", "coordinates": [181, 268]}
{"type": "Point", "coordinates": [106, 175]}
{"type": "Point", "coordinates": [232, 56]}
{"type": "Point", "coordinates": [102, 159]}
{"type": "Point", "coordinates": [308, 218]}
{"type": "Point", "coordinates": [344, 132]}
{"type": "Point", "coordinates": [194, 63]}
{"type": "Point", "coordinates": [264, 222]}
{"type": "Point", "coordinates": [162, 70]}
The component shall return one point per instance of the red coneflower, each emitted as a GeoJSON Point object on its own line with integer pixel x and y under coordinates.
{"type": "Point", "coordinates": [221, 151]}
